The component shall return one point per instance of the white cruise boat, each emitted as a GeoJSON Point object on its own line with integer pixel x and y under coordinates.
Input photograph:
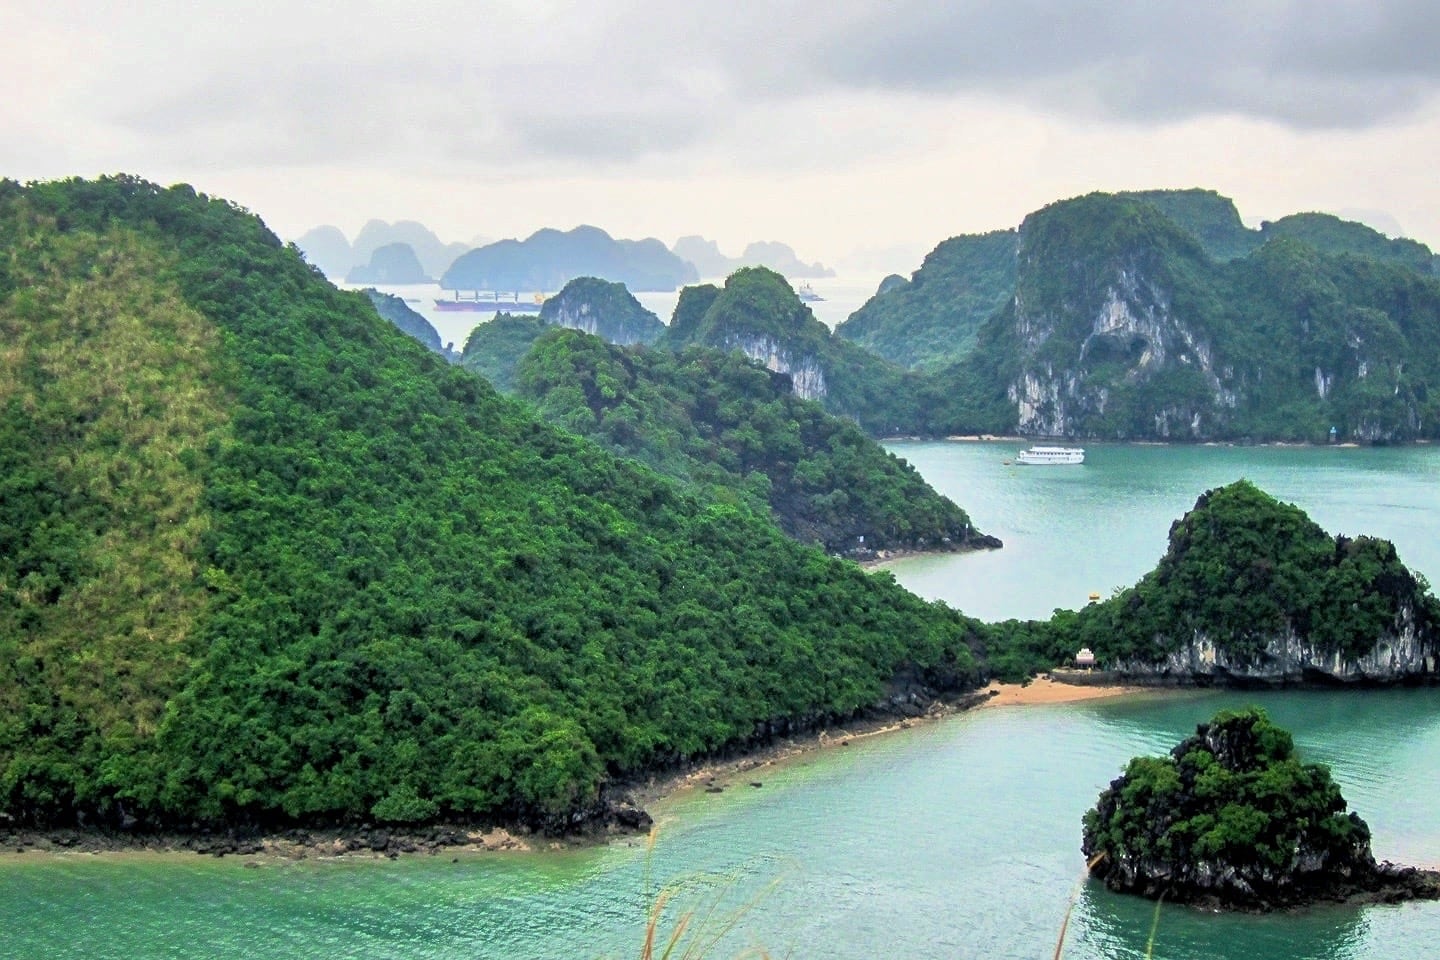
{"type": "Point", "coordinates": [1051, 455]}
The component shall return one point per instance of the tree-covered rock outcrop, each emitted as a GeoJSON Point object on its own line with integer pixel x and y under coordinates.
{"type": "Point", "coordinates": [931, 320]}
{"type": "Point", "coordinates": [1207, 216]}
{"type": "Point", "coordinates": [1233, 819]}
{"type": "Point", "coordinates": [758, 314]}
{"type": "Point", "coordinates": [264, 560]}
{"type": "Point", "coordinates": [604, 309]}
{"type": "Point", "coordinates": [1251, 592]}
{"type": "Point", "coordinates": [737, 433]}
{"type": "Point", "coordinates": [549, 259]}
{"type": "Point", "coordinates": [1157, 315]}
{"type": "Point", "coordinates": [607, 310]}
{"type": "Point", "coordinates": [409, 322]}
{"type": "Point", "coordinates": [1123, 327]}
{"type": "Point", "coordinates": [1334, 236]}
{"type": "Point", "coordinates": [495, 347]}
{"type": "Point", "coordinates": [394, 263]}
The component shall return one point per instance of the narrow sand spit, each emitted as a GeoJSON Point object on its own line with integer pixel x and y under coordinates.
{"type": "Point", "coordinates": [1046, 690]}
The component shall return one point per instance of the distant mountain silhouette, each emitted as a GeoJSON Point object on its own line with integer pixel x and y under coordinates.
{"type": "Point", "coordinates": [549, 259]}
{"type": "Point", "coordinates": [707, 258]}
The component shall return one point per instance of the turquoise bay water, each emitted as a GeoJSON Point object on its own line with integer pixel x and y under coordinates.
{"type": "Point", "coordinates": [953, 839]}
{"type": "Point", "coordinates": [1101, 525]}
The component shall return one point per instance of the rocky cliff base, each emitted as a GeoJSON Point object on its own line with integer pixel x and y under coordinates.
{"type": "Point", "coordinates": [1383, 882]}
{"type": "Point", "coordinates": [1232, 819]}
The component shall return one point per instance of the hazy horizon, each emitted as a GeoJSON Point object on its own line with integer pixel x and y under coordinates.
{"type": "Point", "coordinates": [830, 127]}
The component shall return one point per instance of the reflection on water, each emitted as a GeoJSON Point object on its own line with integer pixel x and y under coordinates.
{"type": "Point", "coordinates": [1118, 927]}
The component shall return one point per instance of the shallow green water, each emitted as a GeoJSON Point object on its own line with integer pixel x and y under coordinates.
{"type": "Point", "coordinates": [956, 839]}
{"type": "Point", "coordinates": [1101, 525]}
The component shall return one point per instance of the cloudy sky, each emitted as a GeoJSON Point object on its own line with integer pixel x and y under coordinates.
{"type": "Point", "coordinates": [835, 126]}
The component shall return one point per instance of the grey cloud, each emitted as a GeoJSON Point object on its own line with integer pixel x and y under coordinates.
{"type": "Point", "coordinates": [1318, 64]}
{"type": "Point", "coordinates": [494, 87]}
{"type": "Point", "coordinates": [607, 136]}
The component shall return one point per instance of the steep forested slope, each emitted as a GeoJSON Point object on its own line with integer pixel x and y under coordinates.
{"type": "Point", "coordinates": [1158, 315]}
{"type": "Point", "coordinates": [759, 315]}
{"type": "Point", "coordinates": [1251, 590]}
{"type": "Point", "coordinates": [267, 560]}
{"type": "Point", "coordinates": [734, 429]}
{"type": "Point", "coordinates": [932, 318]}
{"type": "Point", "coordinates": [1123, 327]}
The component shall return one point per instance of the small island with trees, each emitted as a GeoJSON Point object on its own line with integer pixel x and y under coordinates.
{"type": "Point", "coordinates": [1232, 819]}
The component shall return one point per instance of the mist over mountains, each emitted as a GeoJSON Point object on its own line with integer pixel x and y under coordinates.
{"type": "Point", "coordinates": [708, 259]}
{"type": "Point", "coordinates": [327, 247]}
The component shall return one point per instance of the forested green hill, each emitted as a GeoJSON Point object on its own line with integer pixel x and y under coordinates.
{"type": "Point", "coordinates": [1331, 235]}
{"type": "Point", "coordinates": [1251, 591]}
{"type": "Point", "coordinates": [737, 432]}
{"type": "Point", "coordinates": [759, 315]}
{"type": "Point", "coordinates": [931, 319]}
{"type": "Point", "coordinates": [265, 560]}
{"type": "Point", "coordinates": [1124, 327]}
{"type": "Point", "coordinates": [1158, 315]}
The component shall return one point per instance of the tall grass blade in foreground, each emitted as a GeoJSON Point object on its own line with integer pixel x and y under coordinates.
{"type": "Point", "coordinates": [695, 934]}
{"type": "Point", "coordinates": [1154, 926]}
{"type": "Point", "coordinates": [1074, 896]}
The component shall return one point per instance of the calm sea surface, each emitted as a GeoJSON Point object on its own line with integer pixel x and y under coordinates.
{"type": "Point", "coordinates": [953, 839]}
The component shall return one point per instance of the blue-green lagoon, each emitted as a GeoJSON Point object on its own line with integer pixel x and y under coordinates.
{"type": "Point", "coordinates": [958, 838]}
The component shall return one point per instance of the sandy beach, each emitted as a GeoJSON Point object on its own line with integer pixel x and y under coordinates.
{"type": "Point", "coordinates": [743, 771]}
{"type": "Point", "coordinates": [723, 774]}
{"type": "Point", "coordinates": [1046, 690]}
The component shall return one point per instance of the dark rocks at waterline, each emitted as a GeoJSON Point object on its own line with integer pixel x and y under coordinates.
{"type": "Point", "coordinates": [1232, 819]}
{"type": "Point", "coordinates": [1376, 883]}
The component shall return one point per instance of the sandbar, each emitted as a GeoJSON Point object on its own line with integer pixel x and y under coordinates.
{"type": "Point", "coordinates": [1046, 690]}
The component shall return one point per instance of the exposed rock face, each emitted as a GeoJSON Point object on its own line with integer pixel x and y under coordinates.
{"type": "Point", "coordinates": [807, 376]}
{"type": "Point", "coordinates": [1289, 659]}
{"type": "Point", "coordinates": [602, 309]}
{"type": "Point", "coordinates": [1122, 327]}
{"type": "Point", "coordinates": [758, 314]}
{"type": "Point", "coordinates": [1134, 327]}
{"type": "Point", "coordinates": [1252, 592]}
{"type": "Point", "coordinates": [1232, 819]}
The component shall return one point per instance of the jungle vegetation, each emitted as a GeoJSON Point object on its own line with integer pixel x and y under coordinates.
{"type": "Point", "coordinates": [266, 560]}
{"type": "Point", "coordinates": [736, 431]}
{"type": "Point", "coordinates": [1241, 569]}
{"type": "Point", "coordinates": [1232, 815]}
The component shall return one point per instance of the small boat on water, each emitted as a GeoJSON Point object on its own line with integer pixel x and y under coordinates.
{"type": "Point", "coordinates": [1050, 456]}
{"type": "Point", "coordinates": [805, 293]}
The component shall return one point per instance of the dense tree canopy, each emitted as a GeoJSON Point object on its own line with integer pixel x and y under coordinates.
{"type": "Point", "coordinates": [1242, 571]}
{"type": "Point", "coordinates": [1232, 815]}
{"type": "Point", "coordinates": [931, 320]}
{"type": "Point", "coordinates": [267, 560]}
{"type": "Point", "coordinates": [736, 431]}
{"type": "Point", "coordinates": [1159, 315]}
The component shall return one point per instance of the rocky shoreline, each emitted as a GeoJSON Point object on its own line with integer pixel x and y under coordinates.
{"type": "Point", "coordinates": [620, 812]}
{"type": "Point", "coordinates": [1389, 883]}
{"type": "Point", "coordinates": [1232, 820]}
